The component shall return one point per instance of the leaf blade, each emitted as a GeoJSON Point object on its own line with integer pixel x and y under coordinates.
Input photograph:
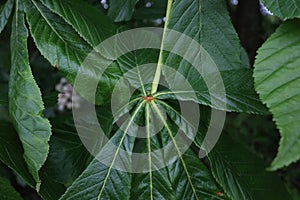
{"type": "Point", "coordinates": [121, 10]}
{"type": "Point", "coordinates": [242, 174]}
{"type": "Point", "coordinates": [5, 13]}
{"type": "Point", "coordinates": [25, 102]}
{"type": "Point", "coordinates": [88, 22]}
{"type": "Point", "coordinates": [221, 57]}
{"type": "Point", "coordinates": [276, 80]}
{"type": "Point", "coordinates": [7, 191]}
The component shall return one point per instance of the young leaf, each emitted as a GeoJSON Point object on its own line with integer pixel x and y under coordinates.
{"type": "Point", "coordinates": [277, 81]}
{"type": "Point", "coordinates": [121, 10]}
{"type": "Point", "coordinates": [7, 191]}
{"type": "Point", "coordinates": [5, 13]}
{"type": "Point", "coordinates": [283, 8]}
{"type": "Point", "coordinates": [25, 102]}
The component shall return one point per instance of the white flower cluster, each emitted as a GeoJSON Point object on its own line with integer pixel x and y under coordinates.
{"type": "Point", "coordinates": [104, 4]}
{"type": "Point", "coordinates": [67, 96]}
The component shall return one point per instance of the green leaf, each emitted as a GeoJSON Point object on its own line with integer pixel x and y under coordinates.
{"type": "Point", "coordinates": [156, 10]}
{"type": "Point", "coordinates": [98, 180]}
{"type": "Point", "coordinates": [92, 25]}
{"type": "Point", "coordinates": [11, 152]}
{"type": "Point", "coordinates": [285, 9]}
{"type": "Point", "coordinates": [50, 189]}
{"type": "Point", "coordinates": [238, 85]}
{"type": "Point", "coordinates": [65, 42]}
{"type": "Point", "coordinates": [277, 81]}
{"type": "Point", "coordinates": [62, 46]}
{"type": "Point", "coordinates": [7, 191]}
{"type": "Point", "coordinates": [242, 174]}
{"type": "Point", "coordinates": [189, 176]}
{"type": "Point", "coordinates": [25, 102]}
{"type": "Point", "coordinates": [5, 13]}
{"type": "Point", "coordinates": [185, 178]}
{"type": "Point", "coordinates": [208, 23]}
{"type": "Point", "coordinates": [121, 10]}
{"type": "Point", "coordinates": [67, 157]}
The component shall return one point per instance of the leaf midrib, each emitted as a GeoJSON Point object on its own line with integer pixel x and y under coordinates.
{"type": "Point", "coordinates": [46, 19]}
{"type": "Point", "coordinates": [119, 146]}
{"type": "Point", "coordinates": [177, 148]}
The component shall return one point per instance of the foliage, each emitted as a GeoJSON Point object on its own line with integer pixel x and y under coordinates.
{"type": "Point", "coordinates": [277, 80]}
{"type": "Point", "coordinates": [42, 146]}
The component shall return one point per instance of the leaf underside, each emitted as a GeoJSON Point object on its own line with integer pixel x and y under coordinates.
{"type": "Point", "coordinates": [277, 81]}
{"type": "Point", "coordinates": [25, 102]}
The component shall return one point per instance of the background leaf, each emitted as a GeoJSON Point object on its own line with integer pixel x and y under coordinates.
{"type": "Point", "coordinates": [11, 152]}
{"type": "Point", "coordinates": [67, 157]}
{"type": "Point", "coordinates": [25, 102]}
{"type": "Point", "coordinates": [277, 81]}
{"type": "Point", "coordinates": [121, 10]}
{"type": "Point", "coordinates": [5, 13]}
{"type": "Point", "coordinates": [242, 174]}
{"type": "Point", "coordinates": [7, 191]}
{"type": "Point", "coordinates": [283, 8]}
{"type": "Point", "coordinates": [156, 10]}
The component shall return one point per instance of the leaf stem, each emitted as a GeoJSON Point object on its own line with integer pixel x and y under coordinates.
{"type": "Point", "coordinates": [149, 149]}
{"type": "Point", "coordinates": [160, 61]}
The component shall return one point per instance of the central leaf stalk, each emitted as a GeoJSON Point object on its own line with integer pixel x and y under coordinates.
{"type": "Point", "coordinates": [148, 98]}
{"type": "Point", "coordinates": [160, 61]}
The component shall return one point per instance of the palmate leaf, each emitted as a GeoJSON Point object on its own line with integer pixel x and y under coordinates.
{"type": "Point", "coordinates": [5, 13]}
{"type": "Point", "coordinates": [186, 178]}
{"type": "Point", "coordinates": [283, 8]}
{"type": "Point", "coordinates": [25, 102]}
{"type": "Point", "coordinates": [241, 174]}
{"type": "Point", "coordinates": [277, 69]}
{"type": "Point", "coordinates": [71, 34]}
